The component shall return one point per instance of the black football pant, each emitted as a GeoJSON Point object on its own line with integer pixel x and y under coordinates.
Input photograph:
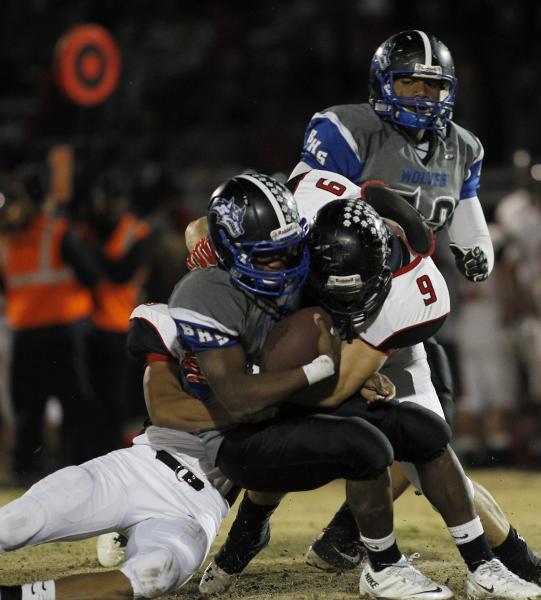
{"type": "Point", "coordinates": [303, 453]}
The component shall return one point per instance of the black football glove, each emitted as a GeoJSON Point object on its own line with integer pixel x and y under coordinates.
{"type": "Point", "coordinates": [471, 262]}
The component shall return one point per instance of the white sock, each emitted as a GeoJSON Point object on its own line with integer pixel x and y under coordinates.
{"type": "Point", "coordinates": [462, 534]}
{"type": "Point", "coordinates": [39, 590]}
{"type": "Point", "coordinates": [379, 545]}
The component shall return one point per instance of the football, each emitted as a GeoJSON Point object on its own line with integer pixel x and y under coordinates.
{"type": "Point", "coordinates": [292, 342]}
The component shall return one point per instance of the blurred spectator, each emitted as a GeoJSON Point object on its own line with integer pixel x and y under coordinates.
{"type": "Point", "coordinates": [47, 272]}
{"type": "Point", "coordinates": [124, 246]}
{"type": "Point", "coordinates": [519, 215]}
{"type": "Point", "coordinates": [489, 398]}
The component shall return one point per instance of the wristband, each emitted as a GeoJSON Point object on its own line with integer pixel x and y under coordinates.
{"type": "Point", "coordinates": [320, 368]}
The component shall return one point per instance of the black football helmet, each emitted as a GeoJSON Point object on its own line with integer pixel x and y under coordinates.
{"type": "Point", "coordinates": [412, 54]}
{"type": "Point", "coordinates": [350, 262]}
{"type": "Point", "coordinates": [252, 218]}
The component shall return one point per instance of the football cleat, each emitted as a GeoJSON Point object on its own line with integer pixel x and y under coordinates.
{"type": "Point", "coordinates": [493, 580]}
{"type": "Point", "coordinates": [334, 550]}
{"type": "Point", "coordinates": [400, 581]}
{"type": "Point", "coordinates": [111, 549]}
{"type": "Point", "coordinates": [216, 581]}
{"type": "Point", "coordinates": [523, 562]}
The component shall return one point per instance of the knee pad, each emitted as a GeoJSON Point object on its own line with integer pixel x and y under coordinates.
{"type": "Point", "coordinates": [20, 521]}
{"type": "Point", "coordinates": [154, 573]}
{"type": "Point", "coordinates": [368, 448]}
{"type": "Point", "coordinates": [423, 434]}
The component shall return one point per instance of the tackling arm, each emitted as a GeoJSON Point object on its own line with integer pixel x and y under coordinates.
{"type": "Point", "coordinates": [169, 405]}
{"type": "Point", "coordinates": [243, 393]}
{"type": "Point", "coordinates": [359, 362]}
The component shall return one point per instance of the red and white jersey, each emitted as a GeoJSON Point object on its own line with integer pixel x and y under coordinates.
{"type": "Point", "coordinates": [419, 299]}
{"type": "Point", "coordinates": [416, 305]}
{"type": "Point", "coordinates": [316, 188]}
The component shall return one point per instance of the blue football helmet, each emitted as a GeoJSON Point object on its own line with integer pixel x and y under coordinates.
{"type": "Point", "coordinates": [412, 54]}
{"type": "Point", "coordinates": [253, 219]}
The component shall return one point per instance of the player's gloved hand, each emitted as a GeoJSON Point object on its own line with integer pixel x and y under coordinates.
{"type": "Point", "coordinates": [471, 262]}
{"type": "Point", "coordinates": [378, 388]}
{"type": "Point", "coordinates": [202, 256]}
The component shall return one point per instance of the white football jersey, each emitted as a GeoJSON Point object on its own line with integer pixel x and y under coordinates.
{"type": "Point", "coordinates": [418, 297]}
{"type": "Point", "coordinates": [419, 294]}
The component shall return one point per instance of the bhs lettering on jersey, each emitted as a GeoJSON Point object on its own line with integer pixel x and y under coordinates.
{"type": "Point", "coordinates": [312, 145]}
{"type": "Point", "coordinates": [423, 178]}
{"type": "Point", "coordinates": [196, 338]}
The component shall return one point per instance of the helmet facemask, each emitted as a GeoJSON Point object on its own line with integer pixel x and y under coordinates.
{"type": "Point", "coordinates": [419, 113]}
{"type": "Point", "coordinates": [288, 246]}
{"type": "Point", "coordinates": [352, 302]}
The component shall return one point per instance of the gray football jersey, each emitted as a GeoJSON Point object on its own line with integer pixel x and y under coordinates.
{"type": "Point", "coordinates": [211, 313]}
{"type": "Point", "coordinates": [352, 140]}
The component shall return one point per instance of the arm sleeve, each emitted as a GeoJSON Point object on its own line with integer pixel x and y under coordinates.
{"type": "Point", "coordinates": [81, 258]}
{"type": "Point", "coordinates": [329, 145]}
{"type": "Point", "coordinates": [469, 228]}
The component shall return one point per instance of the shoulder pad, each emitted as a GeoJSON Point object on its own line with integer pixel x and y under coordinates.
{"type": "Point", "coordinates": [152, 330]}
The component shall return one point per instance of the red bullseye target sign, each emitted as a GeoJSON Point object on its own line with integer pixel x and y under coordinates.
{"type": "Point", "coordinates": [87, 64]}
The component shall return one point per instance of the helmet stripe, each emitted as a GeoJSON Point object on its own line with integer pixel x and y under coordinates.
{"type": "Point", "coordinates": [274, 203]}
{"type": "Point", "coordinates": [428, 47]}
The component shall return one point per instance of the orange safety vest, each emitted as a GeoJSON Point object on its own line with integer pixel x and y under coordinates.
{"type": "Point", "coordinates": [41, 289]}
{"type": "Point", "coordinates": [116, 301]}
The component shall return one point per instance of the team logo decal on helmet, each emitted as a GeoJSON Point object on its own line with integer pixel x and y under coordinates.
{"type": "Point", "coordinates": [229, 215]}
{"type": "Point", "coordinates": [382, 56]}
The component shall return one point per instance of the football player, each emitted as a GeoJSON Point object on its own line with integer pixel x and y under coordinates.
{"type": "Point", "coordinates": [405, 136]}
{"type": "Point", "coordinates": [345, 280]}
{"type": "Point", "coordinates": [222, 316]}
{"type": "Point", "coordinates": [163, 493]}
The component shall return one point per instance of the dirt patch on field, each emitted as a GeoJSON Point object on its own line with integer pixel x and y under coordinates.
{"type": "Point", "coordinates": [280, 573]}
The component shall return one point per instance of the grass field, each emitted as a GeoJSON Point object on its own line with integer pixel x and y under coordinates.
{"type": "Point", "coordinates": [280, 573]}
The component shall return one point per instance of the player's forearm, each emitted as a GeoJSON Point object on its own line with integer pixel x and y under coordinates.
{"type": "Point", "coordinates": [245, 395]}
{"type": "Point", "coordinates": [359, 362]}
{"type": "Point", "coordinates": [170, 406]}
{"type": "Point", "coordinates": [469, 228]}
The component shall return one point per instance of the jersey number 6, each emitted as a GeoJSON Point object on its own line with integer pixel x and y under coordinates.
{"type": "Point", "coordinates": [427, 289]}
{"type": "Point", "coordinates": [331, 186]}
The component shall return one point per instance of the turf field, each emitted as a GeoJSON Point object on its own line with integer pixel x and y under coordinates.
{"type": "Point", "coordinates": [280, 573]}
